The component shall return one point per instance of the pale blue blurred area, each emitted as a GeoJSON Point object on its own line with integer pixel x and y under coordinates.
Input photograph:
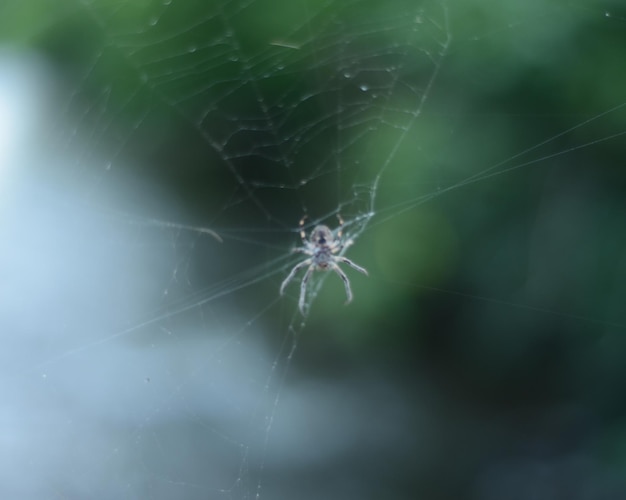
{"type": "Point", "coordinates": [84, 395]}
{"type": "Point", "coordinates": [482, 358]}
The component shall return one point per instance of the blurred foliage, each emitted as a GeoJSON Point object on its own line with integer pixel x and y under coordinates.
{"type": "Point", "coordinates": [508, 293]}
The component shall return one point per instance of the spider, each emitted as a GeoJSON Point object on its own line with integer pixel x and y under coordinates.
{"type": "Point", "coordinates": [322, 247]}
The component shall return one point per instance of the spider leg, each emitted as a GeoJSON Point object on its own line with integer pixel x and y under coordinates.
{"type": "Point", "coordinates": [307, 275]}
{"type": "Point", "coordinates": [302, 232]}
{"type": "Point", "coordinates": [340, 231]}
{"type": "Point", "coordinates": [341, 246]}
{"type": "Point", "coordinates": [301, 250]}
{"type": "Point", "coordinates": [345, 260]}
{"type": "Point", "coordinates": [346, 281]}
{"type": "Point", "coordinates": [293, 272]}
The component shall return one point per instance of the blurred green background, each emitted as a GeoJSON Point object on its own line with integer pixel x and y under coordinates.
{"type": "Point", "coordinates": [496, 247]}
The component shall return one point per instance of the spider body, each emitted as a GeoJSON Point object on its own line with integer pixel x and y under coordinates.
{"type": "Point", "coordinates": [323, 248]}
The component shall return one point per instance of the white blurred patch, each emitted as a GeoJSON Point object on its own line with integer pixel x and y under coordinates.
{"type": "Point", "coordinates": [24, 83]}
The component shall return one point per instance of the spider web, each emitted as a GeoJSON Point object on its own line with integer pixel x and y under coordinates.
{"type": "Point", "coordinates": [474, 152]}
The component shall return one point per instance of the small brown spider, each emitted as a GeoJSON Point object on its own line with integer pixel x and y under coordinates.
{"type": "Point", "coordinates": [322, 247]}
